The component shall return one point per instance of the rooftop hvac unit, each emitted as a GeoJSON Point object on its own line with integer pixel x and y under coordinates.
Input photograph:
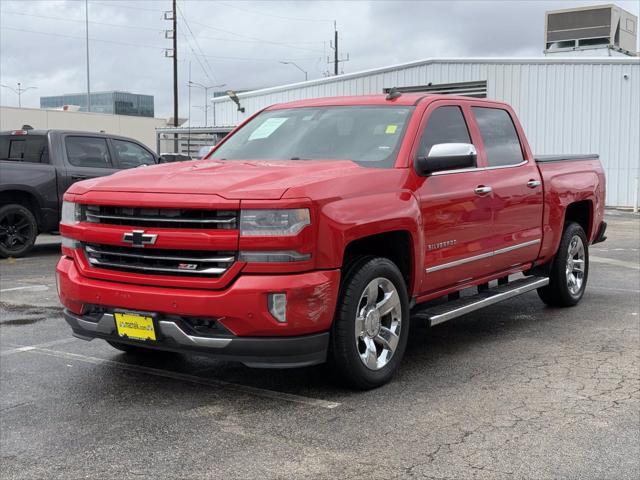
{"type": "Point", "coordinates": [603, 26]}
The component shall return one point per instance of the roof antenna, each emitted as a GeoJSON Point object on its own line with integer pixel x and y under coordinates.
{"type": "Point", "coordinates": [393, 93]}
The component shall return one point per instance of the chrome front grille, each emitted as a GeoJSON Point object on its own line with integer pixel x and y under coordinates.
{"type": "Point", "coordinates": [193, 263]}
{"type": "Point", "coordinates": [161, 217]}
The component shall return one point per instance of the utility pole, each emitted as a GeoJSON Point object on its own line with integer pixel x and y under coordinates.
{"type": "Point", "coordinates": [173, 53]}
{"type": "Point", "coordinates": [189, 132]}
{"type": "Point", "coordinates": [86, 29]}
{"type": "Point", "coordinates": [334, 46]}
{"type": "Point", "coordinates": [335, 49]}
{"type": "Point", "coordinates": [175, 66]}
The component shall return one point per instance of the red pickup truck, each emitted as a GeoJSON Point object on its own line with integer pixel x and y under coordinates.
{"type": "Point", "coordinates": [318, 228]}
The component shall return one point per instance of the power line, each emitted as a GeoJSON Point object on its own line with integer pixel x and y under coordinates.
{"type": "Point", "coordinates": [264, 14]}
{"type": "Point", "coordinates": [261, 40]}
{"type": "Point", "coordinates": [184, 20]}
{"type": "Point", "coordinates": [82, 38]}
{"type": "Point", "coordinates": [154, 47]}
{"type": "Point", "coordinates": [204, 70]}
{"type": "Point", "coordinates": [61, 19]}
{"type": "Point", "coordinates": [119, 5]}
{"type": "Point", "coordinates": [246, 39]}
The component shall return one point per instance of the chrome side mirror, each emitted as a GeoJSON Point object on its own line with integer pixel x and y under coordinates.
{"type": "Point", "coordinates": [447, 156]}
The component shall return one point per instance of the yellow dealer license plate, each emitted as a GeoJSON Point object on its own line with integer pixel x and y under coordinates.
{"type": "Point", "coordinates": [135, 326]}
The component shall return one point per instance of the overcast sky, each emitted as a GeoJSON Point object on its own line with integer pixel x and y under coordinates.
{"type": "Point", "coordinates": [241, 43]}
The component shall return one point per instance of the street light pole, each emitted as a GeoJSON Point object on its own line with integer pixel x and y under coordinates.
{"type": "Point", "coordinates": [298, 67]}
{"type": "Point", "coordinates": [86, 29]}
{"type": "Point", "coordinates": [19, 91]}
{"type": "Point", "coordinates": [206, 99]}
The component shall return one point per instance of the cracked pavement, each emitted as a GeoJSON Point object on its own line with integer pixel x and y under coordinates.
{"type": "Point", "coordinates": [515, 391]}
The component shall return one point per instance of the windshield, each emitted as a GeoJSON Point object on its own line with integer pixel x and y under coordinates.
{"type": "Point", "coordinates": [368, 135]}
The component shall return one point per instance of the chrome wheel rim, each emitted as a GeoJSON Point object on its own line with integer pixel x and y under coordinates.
{"type": "Point", "coordinates": [378, 323]}
{"type": "Point", "coordinates": [575, 265]}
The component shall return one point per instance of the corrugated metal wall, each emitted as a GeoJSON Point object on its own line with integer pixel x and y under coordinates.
{"type": "Point", "coordinates": [570, 105]}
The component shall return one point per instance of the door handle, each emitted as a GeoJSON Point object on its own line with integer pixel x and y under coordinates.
{"type": "Point", "coordinates": [482, 190]}
{"type": "Point", "coordinates": [534, 183]}
{"type": "Point", "coordinates": [79, 177]}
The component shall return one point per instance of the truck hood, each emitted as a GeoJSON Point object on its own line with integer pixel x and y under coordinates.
{"type": "Point", "coordinates": [236, 179]}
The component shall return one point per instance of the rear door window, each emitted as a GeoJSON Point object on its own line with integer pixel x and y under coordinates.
{"type": "Point", "coordinates": [131, 155]}
{"type": "Point", "coordinates": [499, 136]}
{"type": "Point", "coordinates": [24, 148]}
{"type": "Point", "coordinates": [91, 152]}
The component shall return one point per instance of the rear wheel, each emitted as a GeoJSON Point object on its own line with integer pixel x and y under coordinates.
{"type": "Point", "coordinates": [18, 230]}
{"type": "Point", "coordinates": [371, 327]}
{"type": "Point", "coordinates": [569, 270]}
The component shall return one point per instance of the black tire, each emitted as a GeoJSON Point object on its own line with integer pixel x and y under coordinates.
{"type": "Point", "coordinates": [344, 355]}
{"type": "Point", "coordinates": [18, 230]}
{"type": "Point", "coordinates": [559, 292]}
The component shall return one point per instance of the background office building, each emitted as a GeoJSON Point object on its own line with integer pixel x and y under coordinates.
{"type": "Point", "coordinates": [117, 103]}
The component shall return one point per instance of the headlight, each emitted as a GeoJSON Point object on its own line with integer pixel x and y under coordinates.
{"type": "Point", "coordinates": [272, 223]}
{"type": "Point", "coordinates": [70, 213]}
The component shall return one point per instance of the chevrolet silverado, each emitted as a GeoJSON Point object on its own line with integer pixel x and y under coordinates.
{"type": "Point", "coordinates": [317, 229]}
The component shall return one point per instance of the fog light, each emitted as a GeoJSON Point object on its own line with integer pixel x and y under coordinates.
{"type": "Point", "coordinates": [278, 306]}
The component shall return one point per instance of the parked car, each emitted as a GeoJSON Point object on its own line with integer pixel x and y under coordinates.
{"type": "Point", "coordinates": [315, 229]}
{"type": "Point", "coordinates": [204, 151]}
{"type": "Point", "coordinates": [174, 157]}
{"type": "Point", "coordinates": [39, 165]}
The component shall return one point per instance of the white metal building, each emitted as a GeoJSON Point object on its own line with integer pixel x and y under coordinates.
{"type": "Point", "coordinates": [566, 105]}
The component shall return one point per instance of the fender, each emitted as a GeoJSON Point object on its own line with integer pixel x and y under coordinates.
{"type": "Point", "coordinates": [563, 188]}
{"type": "Point", "coordinates": [345, 220]}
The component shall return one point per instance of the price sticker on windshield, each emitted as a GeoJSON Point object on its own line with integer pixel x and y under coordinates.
{"type": "Point", "coordinates": [265, 130]}
{"type": "Point", "coordinates": [391, 129]}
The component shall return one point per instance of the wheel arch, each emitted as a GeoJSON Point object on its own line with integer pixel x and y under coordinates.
{"type": "Point", "coordinates": [395, 245]}
{"type": "Point", "coordinates": [580, 212]}
{"type": "Point", "coordinates": [26, 199]}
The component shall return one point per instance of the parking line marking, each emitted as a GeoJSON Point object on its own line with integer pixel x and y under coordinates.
{"type": "Point", "coordinates": [28, 348]}
{"type": "Point", "coordinates": [39, 288]}
{"type": "Point", "coordinates": [613, 261]}
{"type": "Point", "coordinates": [625, 290]}
{"type": "Point", "coordinates": [256, 391]}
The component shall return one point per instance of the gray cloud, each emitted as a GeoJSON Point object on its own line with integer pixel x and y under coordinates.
{"type": "Point", "coordinates": [241, 43]}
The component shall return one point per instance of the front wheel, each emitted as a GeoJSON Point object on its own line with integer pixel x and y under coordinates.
{"type": "Point", "coordinates": [371, 328]}
{"type": "Point", "coordinates": [569, 270]}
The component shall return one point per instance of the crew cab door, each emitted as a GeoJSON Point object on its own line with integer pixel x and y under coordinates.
{"type": "Point", "coordinates": [86, 157]}
{"type": "Point", "coordinates": [129, 154]}
{"type": "Point", "coordinates": [456, 210]}
{"type": "Point", "coordinates": [516, 184]}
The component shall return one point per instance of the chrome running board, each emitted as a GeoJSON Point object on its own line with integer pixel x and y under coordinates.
{"type": "Point", "coordinates": [456, 308]}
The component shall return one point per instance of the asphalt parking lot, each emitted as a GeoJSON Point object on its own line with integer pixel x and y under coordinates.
{"type": "Point", "coordinates": [518, 390]}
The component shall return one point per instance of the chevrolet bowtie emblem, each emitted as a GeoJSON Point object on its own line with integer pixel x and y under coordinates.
{"type": "Point", "coordinates": [138, 238]}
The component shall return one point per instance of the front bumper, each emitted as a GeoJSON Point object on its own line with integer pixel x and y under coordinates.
{"type": "Point", "coordinates": [260, 352]}
{"type": "Point", "coordinates": [250, 334]}
{"type": "Point", "coordinates": [241, 307]}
